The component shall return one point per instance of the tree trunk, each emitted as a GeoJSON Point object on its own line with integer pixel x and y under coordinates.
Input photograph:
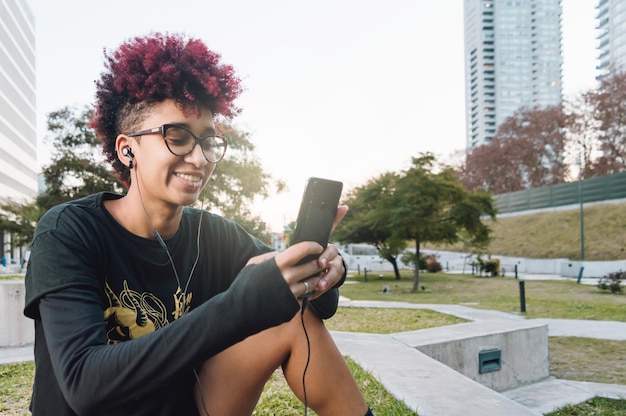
{"type": "Point", "coordinates": [395, 268]}
{"type": "Point", "coordinates": [394, 262]}
{"type": "Point", "coordinates": [416, 273]}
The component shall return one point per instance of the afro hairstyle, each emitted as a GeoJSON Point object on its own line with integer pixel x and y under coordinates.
{"type": "Point", "coordinates": [145, 71]}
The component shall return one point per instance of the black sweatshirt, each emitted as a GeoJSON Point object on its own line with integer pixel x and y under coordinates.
{"type": "Point", "coordinates": [114, 335]}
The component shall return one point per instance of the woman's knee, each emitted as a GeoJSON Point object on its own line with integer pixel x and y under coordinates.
{"type": "Point", "coordinates": [265, 351]}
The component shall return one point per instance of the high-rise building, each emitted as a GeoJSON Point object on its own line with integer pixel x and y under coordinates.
{"type": "Point", "coordinates": [611, 19]}
{"type": "Point", "coordinates": [512, 60]}
{"type": "Point", "coordinates": [18, 135]}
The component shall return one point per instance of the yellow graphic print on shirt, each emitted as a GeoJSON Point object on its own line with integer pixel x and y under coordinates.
{"type": "Point", "coordinates": [132, 314]}
{"type": "Point", "coordinates": [182, 303]}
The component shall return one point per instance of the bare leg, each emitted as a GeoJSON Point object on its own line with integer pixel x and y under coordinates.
{"type": "Point", "coordinates": [233, 380]}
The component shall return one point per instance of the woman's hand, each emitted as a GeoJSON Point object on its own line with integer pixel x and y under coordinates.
{"type": "Point", "coordinates": [327, 271]}
{"type": "Point", "coordinates": [319, 275]}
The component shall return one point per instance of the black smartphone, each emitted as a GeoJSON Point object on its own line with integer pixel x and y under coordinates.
{"type": "Point", "coordinates": [317, 212]}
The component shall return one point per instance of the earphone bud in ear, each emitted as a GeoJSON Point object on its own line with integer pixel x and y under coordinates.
{"type": "Point", "coordinates": [129, 153]}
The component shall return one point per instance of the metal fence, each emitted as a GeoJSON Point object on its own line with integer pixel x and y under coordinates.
{"type": "Point", "coordinates": [602, 188]}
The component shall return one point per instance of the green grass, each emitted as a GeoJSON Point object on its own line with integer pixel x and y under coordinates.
{"type": "Point", "coordinates": [369, 320]}
{"type": "Point", "coordinates": [15, 383]}
{"type": "Point", "coordinates": [551, 235]}
{"type": "Point", "coordinates": [544, 299]}
{"type": "Point", "coordinates": [598, 406]}
{"type": "Point", "coordinates": [10, 277]}
{"type": "Point", "coordinates": [586, 359]}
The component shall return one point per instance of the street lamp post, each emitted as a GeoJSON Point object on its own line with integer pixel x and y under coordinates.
{"type": "Point", "coordinates": [582, 221]}
{"type": "Point", "coordinates": [582, 211]}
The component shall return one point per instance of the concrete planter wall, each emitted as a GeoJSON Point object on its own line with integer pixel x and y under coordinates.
{"type": "Point", "coordinates": [15, 328]}
{"type": "Point", "coordinates": [522, 347]}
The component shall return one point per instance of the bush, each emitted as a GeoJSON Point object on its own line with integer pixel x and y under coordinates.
{"type": "Point", "coordinates": [491, 267]}
{"type": "Point", "coordinates": [408, 258]}
{"type": "Point", "coordinates": [612, 282]}
{"type": "Point", "coordinates": [423, 263]}
{"type": "Point", "coordinates": [432, 265]}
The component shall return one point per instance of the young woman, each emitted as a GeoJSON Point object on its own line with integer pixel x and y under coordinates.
{"type": "Point", "coordinates": [146, 306]}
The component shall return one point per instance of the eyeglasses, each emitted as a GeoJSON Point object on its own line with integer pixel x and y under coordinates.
{"type": "Point", "coordinates": [181, 141]}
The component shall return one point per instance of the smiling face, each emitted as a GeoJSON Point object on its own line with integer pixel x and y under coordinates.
{"type": "Point", "coordinates": [160, 176]}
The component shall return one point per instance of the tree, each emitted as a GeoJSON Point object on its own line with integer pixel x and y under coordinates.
{"type": "Point", "coordinates": [538, 139]}
{"type": "Point", "coordinates": [19, 220]}
{"type": "Point", "coordinates": [608, 104]}
{"type": "Point", "coordinates": [431, 205]}
{"type": "Point", "coordinates": [78, 169]}
{"type": "Point", "coordinates": [77, 166]}
{"type": "Point", "coordinates": [368, 219]}
{"type": "Point", "coordinates": [582, 130]}
{"type": "Point", "coordinates": [528, 151]}
{"type": "Point", "coordinates": [491, 168]}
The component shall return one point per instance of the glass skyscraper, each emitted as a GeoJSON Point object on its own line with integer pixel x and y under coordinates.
{"type": "Point", "coordinates": [512, 59]}
{"type": "Point", "coordinates": [18, 136]}
{"type": "Point", "coordinates": [611, 19]}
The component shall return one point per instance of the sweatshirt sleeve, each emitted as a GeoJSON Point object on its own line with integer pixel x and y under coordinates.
{"type": "Point", "coordinates": [91, 374]}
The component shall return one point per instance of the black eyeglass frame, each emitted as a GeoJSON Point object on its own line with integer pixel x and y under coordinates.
{"type": "Point", "coordinates": [163, 131]}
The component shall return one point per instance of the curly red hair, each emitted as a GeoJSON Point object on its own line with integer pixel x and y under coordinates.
{"type": "Point", "coordinates": [145, 71]}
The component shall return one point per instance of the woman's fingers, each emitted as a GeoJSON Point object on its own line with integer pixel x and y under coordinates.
{"type": "Point", "coordinates": [287, 261]}
{"type": "Point", "coordinates": [320, 274]}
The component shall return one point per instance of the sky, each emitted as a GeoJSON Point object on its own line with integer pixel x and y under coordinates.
{"type": "Point", "coordinates": [341, 89]}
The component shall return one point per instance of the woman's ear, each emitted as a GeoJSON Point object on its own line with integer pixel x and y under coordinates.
{"type": "Point", "coordinates": [124, 150]}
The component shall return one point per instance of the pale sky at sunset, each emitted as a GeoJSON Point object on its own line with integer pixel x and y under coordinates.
{"type": "Point", "coordinates": [340, 89]}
